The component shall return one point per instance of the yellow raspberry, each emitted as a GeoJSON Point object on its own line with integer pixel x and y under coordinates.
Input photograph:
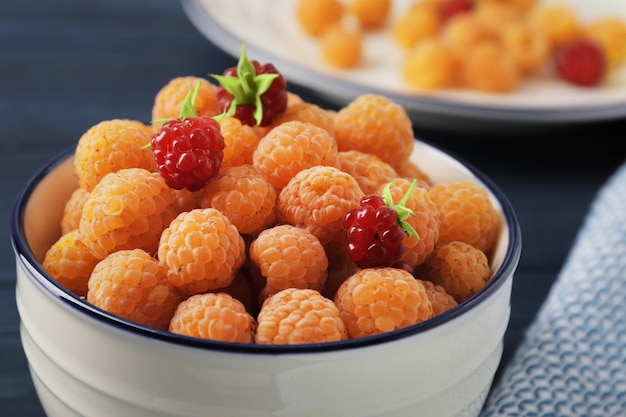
{"type": "Point", "coordinates": [371, 14]}
{"type": "Point", "coordinates": [342, 46]}
{"type": "Point", "coordinates": [288, 256]}
{"type": "Point", "coordinates": [307, 112]}
{"type": "Point", "coordinates": [426, 221]}
{"type": "Point", "coordinates": [431, 64]}
{"type": "Point", "coordinates": [240, 139]}
{"type": "Point", "coordinates": [380, 300]}
{"type": "Point", "coordinates": [214, 316]}
{"type": "Point", "coordinates": [490, 67]}
{"type": "Point", "coordinates": [132, 284]}
{"type": "Point", "coordinates": [70, 263]}
{"type": "Point", "coordinates": [169, 99]}
{"type": "Point", "coordinates": [316, 199]}
{"type": "Point", "coordinates": [495, 15]}
{"type": "Point", "coordinates": [73, 209]}
{"type": "Point", "coordinates": [368, 170]}
{"type": "Point", "coordinates": [375, 124]}
{"type": "Point", "coordinates": [610, 32]}
{"type": "Point", "coordinates": [529, 47]}
{"type": "Point", "coordinates": [243, 195]}
{"type": "Point", "coordinates": [128, 209]}
{"type": "Point", "coordinates": [299, 316]}
{"type": "Point", "coordinates": [419, 22]}
{"type": "Point", "coordinates": [439, 298]}
{"type": "Point", "coordinates": [463, 32]}
{"type": "Point", "coordinates": [291, 147]}
{"type": "Point", "coordinates": [461, 269]}
{"type": "Point", "coordinates": [109, 146]}
{"type": "Point", "coordinates": [202, 250]}
{"type": "Point", "coordinates": [467, 214]}
{"type": "Point", "coordinates": [315, 16]}
{"type": "Point", "coordinates": [560, 22]}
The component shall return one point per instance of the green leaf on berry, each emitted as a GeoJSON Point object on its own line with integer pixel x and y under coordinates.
{"type": "Point", "coordinates": [247, 87]}
{"type": "Point", "coordinates": [400, 208]}
{"type": "Point", "coordinates": [188, 109]}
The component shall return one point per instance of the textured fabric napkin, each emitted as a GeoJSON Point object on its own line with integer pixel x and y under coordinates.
{"type": "Point", "coordinates": [572, 361]}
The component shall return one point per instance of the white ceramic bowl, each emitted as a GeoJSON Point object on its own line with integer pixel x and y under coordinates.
{"type": "Point", "coordinates": [85, 362]}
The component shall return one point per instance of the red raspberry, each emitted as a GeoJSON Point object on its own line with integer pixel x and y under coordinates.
{"type": "Point", "coordinates": [188, 152]}
{"type": "Point", "coordinates": [375, 231]}
{"type": "Point", "coordinates": [581, 62]}
{"type": "Point", "coordinates": [449, 8]}
{"type": "Point", "coordinates": [244, 87]}
{"type": "Point", "coordinates": [374, 236]}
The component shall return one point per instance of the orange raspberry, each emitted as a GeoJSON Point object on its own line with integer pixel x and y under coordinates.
{"type": "Point", "coordinates": [109, 146]}
{"type": "Point", "coordinates": [426, 221]}
{"type": "Point", "coordinates": [289, 148]}
{"type": "Point", "coordinates": [419, 22]}
{"type": "Point", "coordinates": [307, 112]}
{"type": "Point", "coordinates": [243, 195]}
{"type": "Point", "coordinates": [431, 64]}
{"type": "Point", "coordinates": [296, 316]}
{"type": "Point", "coordinates": [367, 169]}
{"type": "Point", "coordinates": [610, 32]}
{"type": "Point", "coordinates": [461, 269]}
{"type": "Point", "coordinates": [202, 250]}
{"type": "Point", "coordinates": [380, 300]}
{"type": "Point", "coordinates": [489, 67]}
{"type": "Point", "coordinates": [375, 124]}
{"type": "Point", "coordinates": [467, 214]}
{"type": "Point", "coordinates": [371, 14]}
{"type": "Point", "coordinates": [70, 263]}
{"type": "Point", "coordinates": [342, 46]}
{"type": "Point", "coordinates": [132, 284]}
{"type": "Point", "coordinates": [315, 16]}
{"type": "Point", "coordinates": [439, 298]}
{"type": "Point", "coordinates": [214, 316]}
{"type": "Point", "coordinates": [496, 15]}
{"type": "Point", "coordinates": [128, 209]}
{"type": "Point", "coordinates": [560, 22]}
{"type": "Point", "coordinates": [73, 210]}
{"type": "Point", "coordinates": [529, 47]}
{"type": "Point", "coordinates": [288, 256]}
{"type": "Point", "coordinates": [316, 199]}
{"type": "Point", "coordinates": [240, 139]}
{"type": "Point", "coordinates": [169, 99]}
{"type": "Point", "coordinates": [463, 32]}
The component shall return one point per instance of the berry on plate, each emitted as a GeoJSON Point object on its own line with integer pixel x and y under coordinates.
{"type": "Point", "coordinates": [581, 62]}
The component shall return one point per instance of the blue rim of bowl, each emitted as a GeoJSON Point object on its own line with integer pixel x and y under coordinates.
{"type": "Point", "coordinates": [49, 285]}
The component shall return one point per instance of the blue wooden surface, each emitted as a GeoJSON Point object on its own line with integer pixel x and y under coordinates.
{"type": "Point", "coordinates": [68, 64]}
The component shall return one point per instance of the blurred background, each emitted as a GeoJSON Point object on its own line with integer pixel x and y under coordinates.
{"type": "Point", "coordinates": [69, 64]}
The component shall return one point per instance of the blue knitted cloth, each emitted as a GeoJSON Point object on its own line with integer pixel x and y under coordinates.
{"type": "Point", "coordinates": [572, 361]}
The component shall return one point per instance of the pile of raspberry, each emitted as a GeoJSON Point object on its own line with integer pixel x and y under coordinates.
{"type": "Point", "coordinates": [482, 45]}
{"type": "Point", "coordinates": [257, 254]}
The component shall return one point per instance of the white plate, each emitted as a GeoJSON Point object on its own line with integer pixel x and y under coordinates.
{"type": "Point", "coordinates": [271, 33]}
